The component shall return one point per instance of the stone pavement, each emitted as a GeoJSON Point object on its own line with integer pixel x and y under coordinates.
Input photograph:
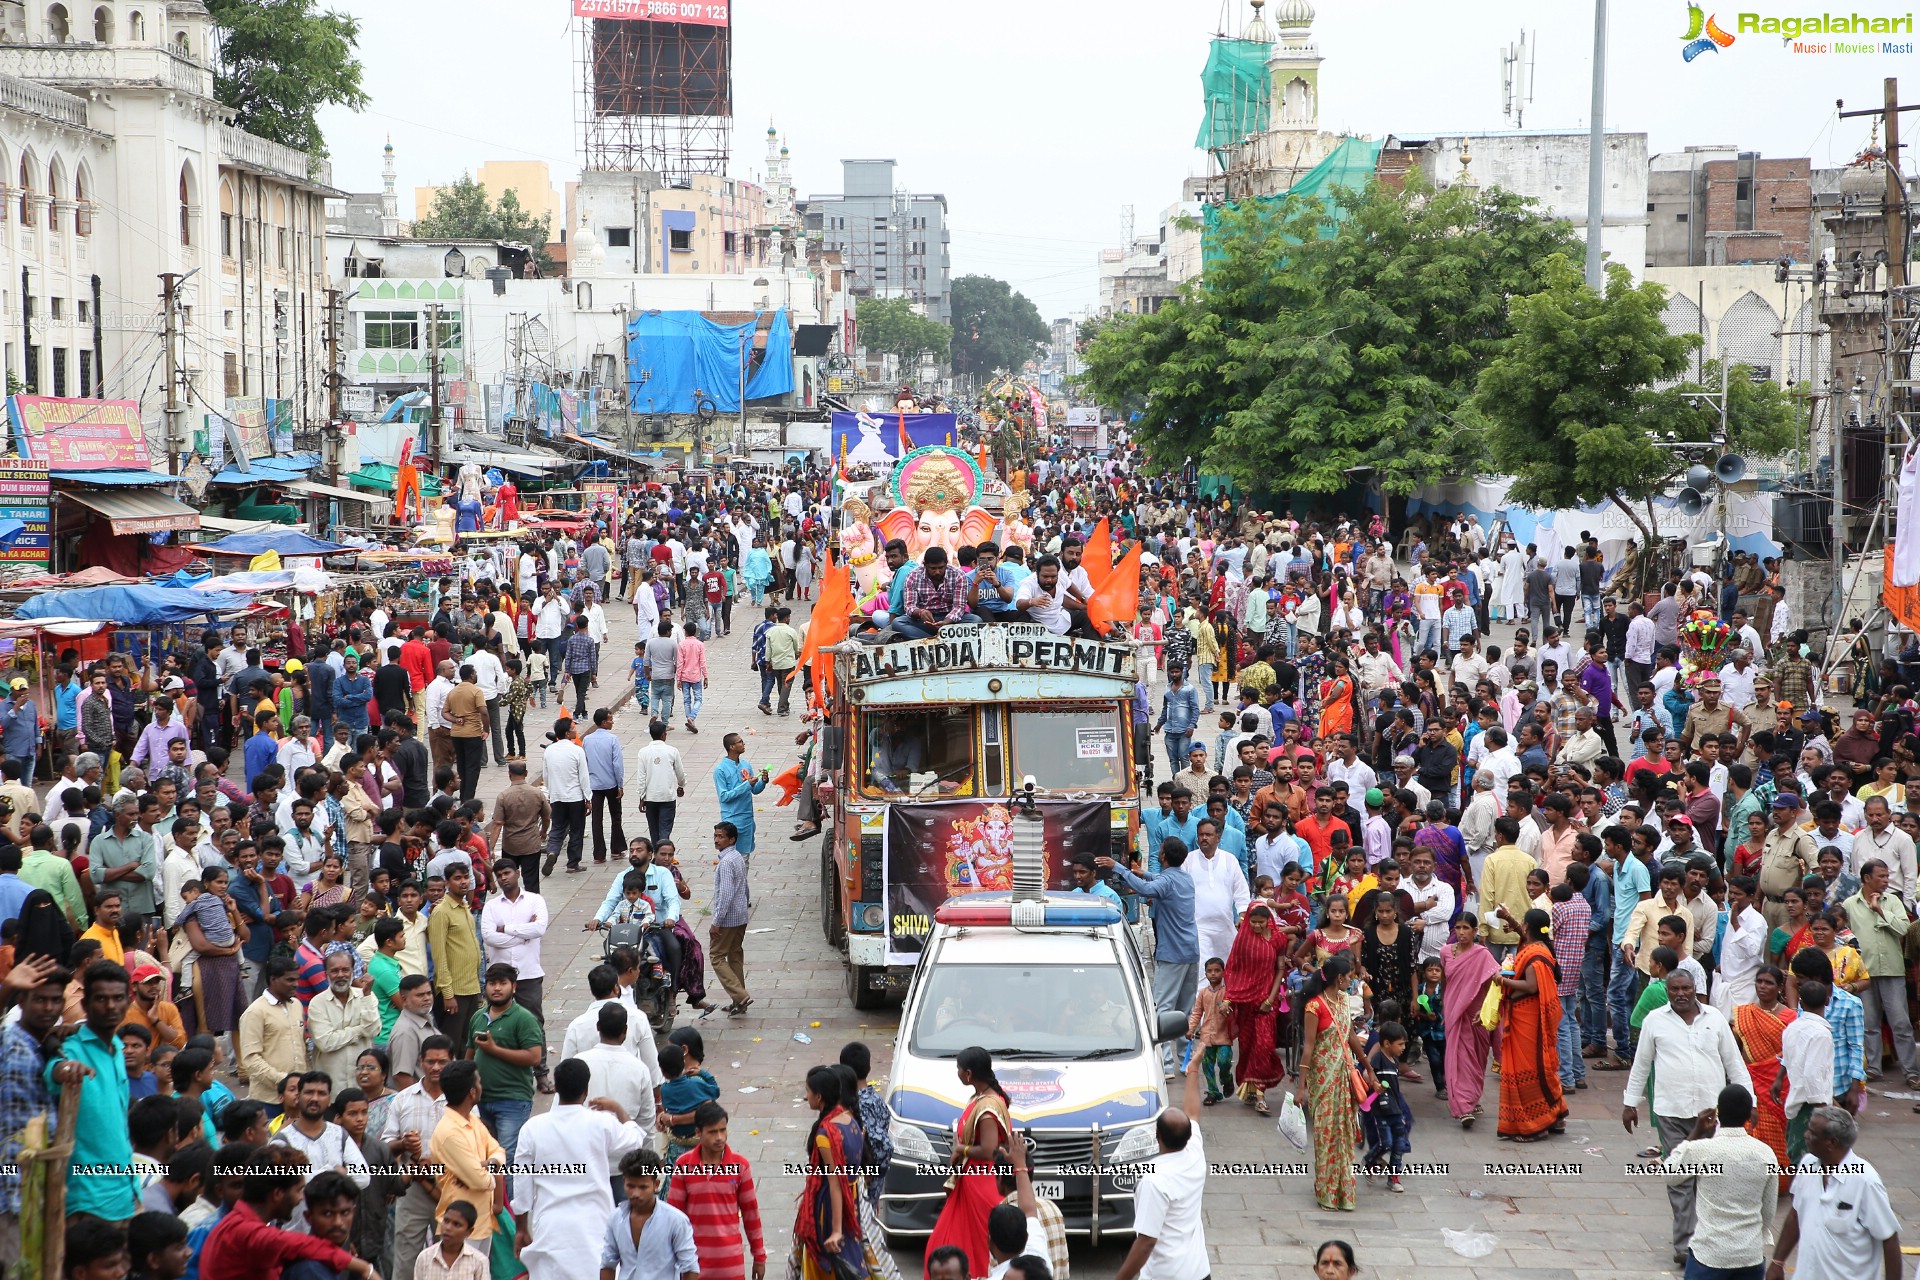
{"type": "Point", "coordinates": [1587, 1219]}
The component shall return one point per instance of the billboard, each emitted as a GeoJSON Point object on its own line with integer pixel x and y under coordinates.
{"type": "Point", "coordinates": [934, 851]}
{"type": "Point", "coordinates": [877, 438]}
{"type": "Point", "coordinates": [80, 435]}
{"type": "Point", "coordinates": [661, 67]}
{"type": "Point", "coordinates": [698, 13]}
{"type": "Point", "coordinates": [250, 418]}
{"type": "Point", "coordinates": [25, 496]}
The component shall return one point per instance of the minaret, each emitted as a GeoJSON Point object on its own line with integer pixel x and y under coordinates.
{"type": "Point", "coordinates": [389, 195]}
{"type": "Point", "coordinates": [1294, 67]}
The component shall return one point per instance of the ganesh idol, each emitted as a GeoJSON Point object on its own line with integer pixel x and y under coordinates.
{"type": "Point", "coordinates": [934, 491]}
{"type": "Point", "coordinates": [861, 548]}
{"type": "Point", "coordinates": [1018, 532]}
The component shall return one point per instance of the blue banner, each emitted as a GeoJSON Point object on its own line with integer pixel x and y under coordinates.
{"type": "Point", "coordinates": [875, 438]}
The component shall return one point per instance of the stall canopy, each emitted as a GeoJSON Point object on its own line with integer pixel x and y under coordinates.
{"type": "Point", "coordinates": [286, 541]}
{"type": "Point", "coordinates": [115, 479]}
{"type": "Point", "coordinates": [138, 512]}
{"type": "Point", "coordinates": [318, 490]}
{"type": "Point", "coordinates": [307, 581]}
{"type": "Point", "coordinates": [381, 475]}
{"type": "Point", "coordinates": [274, 470]}
{"type": "Point", "coordinates": [131, 606]}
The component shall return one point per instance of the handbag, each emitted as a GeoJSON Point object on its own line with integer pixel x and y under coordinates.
{"type": "Point", "coordinates": [1490, 1007]}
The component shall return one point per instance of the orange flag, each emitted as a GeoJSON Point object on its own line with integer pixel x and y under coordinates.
{"type": "Point", "coordinates": [831, 615]}
{"type": "Point", "coordinates": [1118, 598]}
{"type": "Point", "coordinates": [789, 782]}
{"type": "Point", "coordinates": [1097, 556]}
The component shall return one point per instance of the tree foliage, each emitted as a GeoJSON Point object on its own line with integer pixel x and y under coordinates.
{"type": "Point", "coordinates": [464, 211]}
{"type": "Point", "coordinates": [891, 326]}
{"type": "Point", "coordinates": [1316, 346]}
{"type": "Point", "coordinates": [279, 61]}
{"type": "Point", "coordinates": [1588, 389]}
{"type": "Point", "coordinates": [994, 327]}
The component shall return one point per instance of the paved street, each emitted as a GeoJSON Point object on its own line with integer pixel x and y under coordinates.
{"type": "Point", "coordinates": [1589, 1221]}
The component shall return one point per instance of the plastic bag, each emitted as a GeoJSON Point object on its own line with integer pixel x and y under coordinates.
{"type": "Point", "coordinates": [1490, 1007]}
{"type": "Point", "coordinates": [1470, 1244]}
{"type": "Point", "coordinates": [1292, 1122]}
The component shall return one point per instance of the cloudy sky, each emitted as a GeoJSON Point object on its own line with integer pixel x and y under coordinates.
{"type": "Point", "coordinates": [1039, 120]}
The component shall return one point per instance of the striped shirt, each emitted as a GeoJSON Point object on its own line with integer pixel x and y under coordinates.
{"type": "Point", "coordinates": [313, 972]}
{"type": "Point", "coordinates": [718, 1200]}
{"type": "Point", "coordinates": [1848, 1018]}
{"type": "Point", "coordinates": [1570, 927]}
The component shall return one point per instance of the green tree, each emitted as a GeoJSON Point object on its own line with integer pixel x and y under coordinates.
{"type": "Point", "coordinates": [464, 211]}
{"type": "Point", "coordinates": [1326, 340]}
{"type": "Point", "coordinates": [277, 62]}
{"type": "Point", "coordinates": [1589, 389]}
{"type": "Point", "coordinates": [891, 326]}
{"type": "Point", "coordinates": [994, 327]}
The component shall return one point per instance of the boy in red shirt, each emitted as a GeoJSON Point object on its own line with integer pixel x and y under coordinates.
{"type": "Point", "coordinates": [713, 1186]}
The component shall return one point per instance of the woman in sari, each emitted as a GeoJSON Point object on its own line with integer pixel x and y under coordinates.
{"type": "Point", "coordinates": [1328, 1051]}
{"type": "Point", "coordinates": [1785, 941]}
{"type": "Point", "coordinates": [826, 1231]}
{"type": "Point", "coordinates": [1449, 849]}
{"type": "Point", "coordinates": [1336, 700]}
{"type": "Point", "coordinates": [1466, 968]}
{"type": "Point", "coordinates": [1254, 977]}
{"type": "Point", "coordinates": [1757, 1029]}
{"type": "Point", "coordinates": [1532, 1104]}
{"type": "Point", "coordinates": [329, 887]}
{"type": "Point", "coordinates": [985, 1127]}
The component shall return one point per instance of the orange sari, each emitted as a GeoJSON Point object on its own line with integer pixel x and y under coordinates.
{"type": "Point", "coordinates": [1759, 1034]}
{"type": "Point", "coordinates": [1531, 1101]}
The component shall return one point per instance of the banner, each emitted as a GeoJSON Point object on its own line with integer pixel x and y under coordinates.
{"type": "Point", "coordinates": [934, 851]}
{"type": "Point", "coordinates": [80, 435]}
{"type": "Point", "coordinates": [248, 414]}
{"type": "Point", "coordinates": [875, 438]}
{"type": "Point", "coordinates": [605, 495]}
{"type": "Point", "coordinates": [25, 495]}
{"type": "Point", "coordinates": [699, 13]}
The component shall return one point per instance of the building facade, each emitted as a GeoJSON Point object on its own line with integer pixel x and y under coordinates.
{"type": "Point", "coordinates": [896, 244]}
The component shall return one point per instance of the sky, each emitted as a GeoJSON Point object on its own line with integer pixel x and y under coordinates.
{"type": "Point", "coordinates": [1041, 120]}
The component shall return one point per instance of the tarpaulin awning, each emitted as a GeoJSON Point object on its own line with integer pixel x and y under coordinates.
{"type": "Point", "coordinates": [138, 512]}
{"type": "Point", "coordinates": [264, 471]}
{"type": "Point", "coordinates": [683, 354]}
{"type": "Point", "coordinates": [70, 627]}
{"type": "Point", "coordinates": [113, 479]}
{"type": "Point", "coordinates": [380, 476]}
{"type": "Point", "coordinates": [180, 578]}
{"type": "Point", "coordinates": [91, 576]}
{"type": "Point", "coordinates": [309, 581]}
{"type": "Point", "coordinates": [131, 606]}
{"type": "Point", "coordinates": [318, 490]}
{"type": "Point", "coordinates": [287, 542]}
{"type": "Point", "coordinates": [225, 524]}
{"type": "Point", "coordinates": [526, 464]}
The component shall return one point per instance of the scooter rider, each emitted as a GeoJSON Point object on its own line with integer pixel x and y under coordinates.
{"type": "Point", "coordinates": [660, 892]}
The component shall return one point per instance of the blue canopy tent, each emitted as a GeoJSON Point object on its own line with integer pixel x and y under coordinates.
{"type": "Point", "coordinates": [672, 355]}
{"type": "Point", "coordinates": [287, 542]}
{"type": "Point", "coordinates": [132, 606]}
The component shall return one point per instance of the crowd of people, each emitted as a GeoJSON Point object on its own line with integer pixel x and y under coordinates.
{"type": "Point", "coordinates": [261, 926]}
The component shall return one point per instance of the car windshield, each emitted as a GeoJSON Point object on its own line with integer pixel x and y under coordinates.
{"type": "Point", "coordinates": [1077, 750]}
{"type": "Point", "coordinates": [1026, 1011]}
{"type": "Point", "coordinates": [925, 751]}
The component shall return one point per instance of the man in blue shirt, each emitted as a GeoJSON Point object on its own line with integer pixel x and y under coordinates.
{"type": "Point", "coordinates": [1086, 880]}
{"type": "Point", "coordinates": [66, 711]}
{"type": "Point", "coordinates": [737, 783]}
{"type": "Point", "coordinates": [100, 1140]}
{"type": "Point", "coordinates": [607, 774]}
{"type": "Point", "coordinates": [1179, 715]}
{"type": "Point", "coordinates": [991, 595]}
{"type": "Point", "coordinates": [20, 730]}
{"type": "Point", "coordinates": [1176, 955]}
{"type": "Point", "coordinates": [262, 748]}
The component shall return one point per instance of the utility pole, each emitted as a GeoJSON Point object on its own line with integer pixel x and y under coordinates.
{"type": "Point", "coordinates": [169, 284]}
{"type": "Point", "coordinates": [433, 355]}
{"type": "Point", "coordinates": [334, 319]}
{"type": "Point", "coordinates": [1596, 150]}
{"type": "Point", "coordinates": [1896, 201]}
{"type": "Point", "coordinates": [746, 345]}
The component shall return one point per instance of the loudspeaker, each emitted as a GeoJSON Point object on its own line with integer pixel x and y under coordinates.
{"type": "Point", "coordinates": [1692, 501]}
{"type": "Point", "coordinates": [1730, 469]}
{"type": "Point", "coordinates": [1698, 477]}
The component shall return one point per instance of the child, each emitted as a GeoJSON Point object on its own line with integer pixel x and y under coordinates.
{"type": "Point", "coordinates": [456, 1224]}
{"type": "Point", "coordinates": [1227, 730]}
{"type": "Point", "coordinates": [638, 669]}
{"type": "Point", "coordinates": [857, 1058]}
{"type": "Point", "coordinates": [1663, 961]}
{"type": "Point", "coordinates": [136, 1043]}
{"type": "Point", "coordinates": [633, 908]}
{"type": "Point", "coordinates": [688, 1085]}
{"type": "Point", "coordinates": [1389, 1122]}
{"type": "Point", "coordinates": [1263, 888]}
{"type": "Point", "coordinates": [1353, 879]}
{"type": "Point", "coordinates": [713, 1185]}
{"type": "Point", "coordinates": [640, 1175]}
{"type": "Point", "coordinates": [180, 952]}
{"type": "Point", "coordinates": [1209, 1026]}
{"type": "Point", "coordinates": [537, 667]}
{"type": "Point", "coordinates": [1429, 1023]}
{"type": "Point", "coordinates": [519, 690]}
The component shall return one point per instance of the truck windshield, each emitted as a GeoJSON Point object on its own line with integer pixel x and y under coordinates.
{"type": "Point", "coordinates": [927, 750]}
{"type": "Point", "coordinates": [1026, 1011]}
{"type": "Point", "coordinates": [1078, 750]}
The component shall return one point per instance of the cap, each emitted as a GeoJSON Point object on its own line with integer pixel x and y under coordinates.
{"type": "Point", "coordinates": [1680, 819]}
{"type": "Point", "coordinates": [1787, 800]}
{"type": "Point", "coordinates": [294, 664]}
{"type": "Point", "coordinates": [1810, 714]}
{"type": "Point", "coordinates": [173, 684]}
{"type": "Point", "coordinates": [147, 972]}
{"type": "Point", "coordinates": [1375, 796]}
{"type": "Point", "coordinates": [1783, 705]}
{"type": "Point", "coordinates": [19, 682]}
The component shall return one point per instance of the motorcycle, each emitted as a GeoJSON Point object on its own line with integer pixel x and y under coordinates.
{"type": "Point", "coordinates": [653, 995]}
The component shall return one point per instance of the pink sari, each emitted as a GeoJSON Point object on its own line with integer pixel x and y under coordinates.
{"type": "Point", "coordinates": [1469, 1044]}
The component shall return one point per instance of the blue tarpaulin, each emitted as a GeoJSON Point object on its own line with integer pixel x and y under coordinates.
{"type": "Point", "coordinates": [131, 606]}
{"type": "Point", "coordinates": [287, 542]}
{"type": "Point", "coordinates": [269, 470]}
{"type": "Point", "coordinates": [671, 355]}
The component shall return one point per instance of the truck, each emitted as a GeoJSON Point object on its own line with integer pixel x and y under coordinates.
{"type": "Point", "coordinates": [928, 746]}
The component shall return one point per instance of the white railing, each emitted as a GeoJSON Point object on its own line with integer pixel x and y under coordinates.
{"type": "Point", "coordinates": [245, 149]}
{"type": "Point", "coordinates": [104, 64]}
{"type": "Point", "coordinates": [23, 95]}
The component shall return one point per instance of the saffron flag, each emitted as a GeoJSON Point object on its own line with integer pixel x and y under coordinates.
{"type": "Point", "coordinates": [789, 782]}
{"type": "Point", "coordinates": [831, 616]}
{"type": "Point", "coordinates": [1117, 600]}
{"type": "Point", "coordinates": [1097, 556]}
{"type": "Point", "coordinates": [906, 442]}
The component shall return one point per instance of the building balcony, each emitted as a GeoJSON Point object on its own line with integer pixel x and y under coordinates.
{"type": "Point", "coordinates": [62, 65]}
{"type": "Point", "coordinates": [257, 155]}
{"type": "Point", "coordinates": [52, 104]}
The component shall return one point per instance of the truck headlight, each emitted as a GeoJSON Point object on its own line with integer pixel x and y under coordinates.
{"type": "Point", "coordinates": [910, 1142]}
{"type": "Point", "coordinates": [1137, 1146]}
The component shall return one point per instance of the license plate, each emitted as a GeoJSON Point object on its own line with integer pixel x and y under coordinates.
{"type": "Point", "coordinates": [1050, 1190]}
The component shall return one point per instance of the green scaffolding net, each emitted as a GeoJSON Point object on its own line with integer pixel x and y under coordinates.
{"type": "Point", "coordinates": [1235, 81]}
{"type": "Point", "coordinates": [1349, 166]}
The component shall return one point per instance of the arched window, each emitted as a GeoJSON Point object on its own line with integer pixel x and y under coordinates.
{"type": "Point", "coordinates": [228, 248]}
{"type": "Point", "coordinates": [280, 233]}
{"type": "Point", "coordinates": [59, 28]}
{"type": "Point", "coordinates": [583, 296]}
{"type": "Point", "coordinates": [26, 191]}
{"type": "Point", "coordinates": [82, 205]}
{"type": "Point", "coordinates": [454, 265]}
{"type": "Point", "coordinates": [103, 25]}
{"type": "Point", "coordinates": [181, 45]}
{"type": "Point", "coordinates": [136, 26]}
{"type": "Point", "coordinates": [189, 203]}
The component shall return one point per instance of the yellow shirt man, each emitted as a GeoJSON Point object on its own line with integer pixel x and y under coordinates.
{"type": "Point", "coordinates": [1503, 882]}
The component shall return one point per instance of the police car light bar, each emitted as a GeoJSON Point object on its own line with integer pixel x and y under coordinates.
{"type": "Point", "coordinates": [958, 911]}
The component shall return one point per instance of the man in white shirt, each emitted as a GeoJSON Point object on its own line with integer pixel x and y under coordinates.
{"type": "Point", "coordinates": [1735, 1196]}
{"type": "Point", "coordinates": [1170, 1238]}
{"type": "Point", "coordinates": [1433, 902]}
{"type": "Point", "coordinates": [662, 779]}
{"type": "Point", "coordinates": [1042, 596]}
{"type": "Point", "coordinates": [1690, 1050]}
{"type": "Point", "coordinates": [1841, 1220]}
{"type": "Point", "coordinates": [618, 1073]}
{"type": "Point", "coordinates": [583, 1033]}
{"type": "Point", "coordinates": [568, 789]}
{"type": "Point", "coordinates": [511, 926]}
{"type": "Point", "coordinates": [566, 1212]}
{"type": "Point", "coordinates": [1349, 768]}
{"type": "Point", "coordinates": [1737, 680]}
{"type": "Point", "coordinates": [1883, 840]}
{"type": "Point", "coordinates": [492, 679]}
{"type": "Point", "coordinates": [439, 728]}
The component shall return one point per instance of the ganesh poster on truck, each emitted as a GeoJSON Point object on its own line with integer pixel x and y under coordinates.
{"type": "Point", "coordinates": [934, 851]}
